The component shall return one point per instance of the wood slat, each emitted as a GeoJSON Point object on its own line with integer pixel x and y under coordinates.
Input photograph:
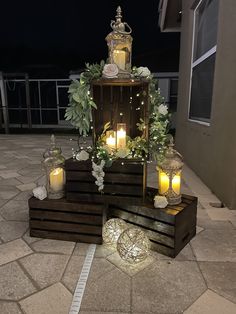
{"type": "Point", "coordinates": [106, 199]}
{"type": "Point", "coordinates": [142, 221]}
{"type": "Point", "coordinates": [65, 217]}
{"type": "Point", "coordinates": [64, 205]}
{"type": "Point", "coordinates": [75, 237]}
{"type": "Point", "coordinates": [134, 166]}
{"type": "Point", "coordinates": [108, 188]}
{"type": "Point", "coordinates": [109, 177]}
{"type": "Point", "coordinates": [64, 226]}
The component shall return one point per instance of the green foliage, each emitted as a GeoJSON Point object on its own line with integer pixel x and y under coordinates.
{"type": "Point", "coordinates": [158, 123]}
{"type": "Point", "coordinates": [79, 110]}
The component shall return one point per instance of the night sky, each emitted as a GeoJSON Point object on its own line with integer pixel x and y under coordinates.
{"type": "Point", "coordinates": [60, 36]}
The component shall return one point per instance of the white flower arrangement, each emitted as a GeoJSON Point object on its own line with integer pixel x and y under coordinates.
{"type": "Point", "coordinates": [162, 109]}
{"type": "Point", "coordinates": [82, 155]}
{"type": "Point", "coordinates": [99, 174]}
{"type": "Point", "coordinates": [110, 70]}
{"type": "Point", "coordinates": [143, 72]}
{"type": "Point", "coordinates": [160, 201]}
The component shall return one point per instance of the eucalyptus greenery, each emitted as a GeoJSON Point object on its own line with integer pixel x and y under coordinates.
{"type": "Point", "coordinates": [79, 110]}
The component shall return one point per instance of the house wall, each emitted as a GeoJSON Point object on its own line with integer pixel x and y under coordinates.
{"type": "Point", "coordinates": [211, 150]}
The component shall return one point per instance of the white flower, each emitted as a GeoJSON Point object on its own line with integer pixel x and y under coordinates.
{"type": "Point", "coordinates": [40, 192]}
{"type": "Point", "coordinates": [99, 174]}
{"type": "Point", "coordinates": [83, 155]}
{"type": "Point", "coordinates": [122, 152]}
{"type": "Point", "coordinates": [110, 70]}
{"type": "Point", "coordinates": [160, 201]}
{"type": "Point", "coordinates": [163, 109]}
{"type": "Point", "coordinates": [143, 71]}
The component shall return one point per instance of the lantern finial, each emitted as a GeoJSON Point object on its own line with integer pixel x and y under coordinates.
{"type": "Point", "coordinates": [53, 141]}
{"type": "Point", "coordinates": [119, 26]}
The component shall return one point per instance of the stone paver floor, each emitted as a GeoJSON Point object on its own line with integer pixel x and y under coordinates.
{"type": "Point", "coordinates": [38, 276]}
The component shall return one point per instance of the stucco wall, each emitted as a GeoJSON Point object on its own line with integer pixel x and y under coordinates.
{"type": "Point", "coordinates": [211, 150]}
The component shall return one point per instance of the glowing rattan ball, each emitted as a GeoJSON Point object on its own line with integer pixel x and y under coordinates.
{"type": "Point", "coordinates": [112, 229]}
{"type": "Point", "coordinates": [133, 245]}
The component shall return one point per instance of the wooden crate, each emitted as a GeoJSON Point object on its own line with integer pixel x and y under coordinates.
{"type": "Point", "coordinates": [124, 181]}
{"type": "Point", "coordinates": [62, 220]}
{"type": "Point", "coordinates": [168, 229]}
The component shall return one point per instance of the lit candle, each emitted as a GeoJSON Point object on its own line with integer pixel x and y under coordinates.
{"type": "Point", "coordinates": [121, 135]}
{"type": "Point", "coordinates": [111, 141]}
{"type": "Point", "coordinates": [164, 183]}
{"type": "Point", "coordinates": [119, 58]}
{"type": "Point", "coordinates": [56, 178]}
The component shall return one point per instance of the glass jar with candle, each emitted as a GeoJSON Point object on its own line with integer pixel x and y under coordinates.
{"type": "Point", "coordinates": [121, 135]}
{"type": "Point", "coordinates": [169, 175]}
{"type": "Point", "coordinates": [55, 174]}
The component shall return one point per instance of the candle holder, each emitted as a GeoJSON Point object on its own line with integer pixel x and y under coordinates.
{"type": "Point", "coordinates": [111, 139]}
{"type": "Point", "coordinates": [121, 135]}
{"type": "Point", "coordinates": [55, 174]}
{"type": "Point", "coordinates": [119, 43]}
{"type": "Point", "coordinates": [169, 178]}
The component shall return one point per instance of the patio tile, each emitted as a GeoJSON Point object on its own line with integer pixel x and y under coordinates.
{"type": "Point", "coordinates": [13, 250]}
{"type": "Point", "coordinates": [9, 182]}
{"type": "Point", "coordinates": [167, 287]}
{"type": "Point", "coordinates": [11, 230]}
{"type": "Point", "coordinates": [7, 174]}
{"type": "Point", "coordinates": [14, 284]}
{"type": "Point", "coordinates": [110, 292]}
{"type": "Point", "coordinates": [80, 249]}
{"type": "Point", "coordinates": [95, 312]}
{"type": "Point", "coordinates": [101, 250]}
{"type": "Point", "coordinates": [53, 246]}
{"type": "Point", "coordinates": [215, 245]}
{"type": "Point", "coordinates": [128, 268]}
{"type": "Point", "coordinates": [45, 269]}
{"type": "Point", "coordinates": [211, 302]}
{"type": "Point", "coordinates": [72, 272]}
{"type": "Point", "coordinates": [7, 192]}
{"type": "Point", "coordinates": [53, 300]}
{"type": "Point", "coordinates": [28, 179]}
{"type": "Point", "coordinates": [220, 277]}
{"type": "Point", "coordinates": [28, 239]}
{"type": "Point", "coordinates": [223, 214]}
{"type": "Point", "coordinates": [15, 210]}
{"type": "Point", "coordinates": [9, 308]}
{"type": "Point", "coordinates": [26, 187]}
{"type": "Point", "coordinates": [186, 254]}
{"type": "Point", "coordinates": [23, 196]}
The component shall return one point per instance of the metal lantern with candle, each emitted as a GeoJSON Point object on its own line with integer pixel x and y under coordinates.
{"type": "Point", "coordinates": [55, 174]}
{"type": "Point", "coordinates": [169, 177]}
{"type": "Point", "coordinates": [119, 43]}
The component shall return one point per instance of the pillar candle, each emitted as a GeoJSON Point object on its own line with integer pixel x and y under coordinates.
{"type": "Point", "coordinates": [119, 58]}
{"type": "Point", "coordinates": [56, 178]}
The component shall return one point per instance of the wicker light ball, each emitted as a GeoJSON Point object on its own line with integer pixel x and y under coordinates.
{"type": "Point", "coordinates": [112, 229]}
{"type": "Point", "coordinates": [133, 245]}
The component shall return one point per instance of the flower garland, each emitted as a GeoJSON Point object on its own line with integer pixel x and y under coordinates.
{"type": "Point", "coordinates": [79, 113]}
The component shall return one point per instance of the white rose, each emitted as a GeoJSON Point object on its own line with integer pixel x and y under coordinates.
{"type": "Point", "coordinates": [110, 70]}
{"type": "Point", "coordinates": [163, 109]}
{"type": "Point", "coordinates": [83, 155]}
{"type": "Point", "coordinates": [160, 201]}
{"type": "Point", "coordinates": [143, 71]}
{"type": "Point", "coordinates": [40, 192]}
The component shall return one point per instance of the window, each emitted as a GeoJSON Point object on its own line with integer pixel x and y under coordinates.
{"type": "Point", "coordinates": [203, 60]}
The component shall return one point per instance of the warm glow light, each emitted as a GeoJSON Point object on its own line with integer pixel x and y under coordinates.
{"type": "Point", "coordinates": [56, 178]}
{"type": "Point", "coordinates": [121, 138]}
{"type": "Point", "coordinates": [111, 139]}
{"type": "Point", "coordinates": [164, 183]}
{"type": "Point", "coordinates": [119, 58]}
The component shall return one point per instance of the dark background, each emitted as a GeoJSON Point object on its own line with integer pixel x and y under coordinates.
{"type": "Point", "coordinates": [48, 38]}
